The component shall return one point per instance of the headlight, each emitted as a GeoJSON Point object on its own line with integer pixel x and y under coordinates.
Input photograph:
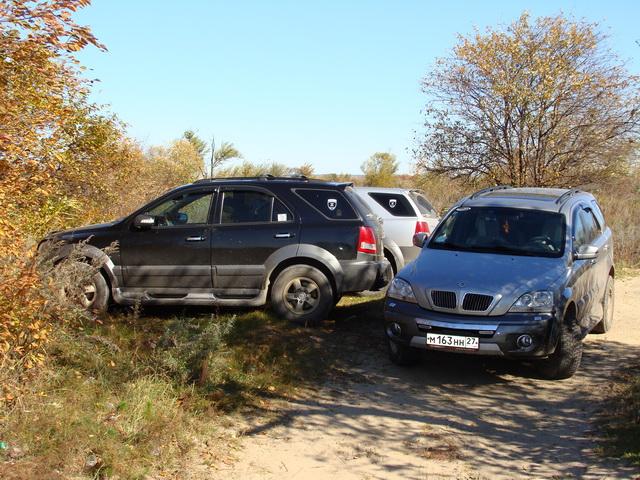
{"type": "Point", "coordinates": [401, 290]}
{"type": "Point", "coordinates": [540, 301]}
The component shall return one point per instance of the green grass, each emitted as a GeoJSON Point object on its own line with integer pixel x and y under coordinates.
{"type": "Point", "coordinates": [130, 396]}
{"type": "Point", "coordinates": [622, 423]}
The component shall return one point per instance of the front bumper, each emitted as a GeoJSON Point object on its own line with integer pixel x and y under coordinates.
{"type": "Point", "coordinates": [365, 275]}
{"type": "Point", "coordinates": [497, 334]}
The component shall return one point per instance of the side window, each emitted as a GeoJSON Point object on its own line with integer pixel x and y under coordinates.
{"type": "Point", "coordinates": [579, 233]}
{"type": "Point", "coordinates": [330, 203]}
{"type": "Point", "coordinates": [597, 211]}
{"type": "Point", "coordinates": [423, 204]}
{"type": "Point", "coordinates": [186, 209]}
{"type": "Point", "coordinates": [586, 229]}
{"type": "Point", "coordinates": [396, 205]}
{"type": "Point", "coordinates": [280, 212]}
{"type": "Point", "coordinates": [248, 206]}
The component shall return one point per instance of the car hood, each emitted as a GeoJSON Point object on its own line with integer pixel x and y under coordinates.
{"type": "Point", "coordinates": [85, 231]}
{"type": "Point", "coordinates": [508, 276]}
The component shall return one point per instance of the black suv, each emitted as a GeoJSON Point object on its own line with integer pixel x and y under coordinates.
{"type": "Point", "coordinates": [239, 242]}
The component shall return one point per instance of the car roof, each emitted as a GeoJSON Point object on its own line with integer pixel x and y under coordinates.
{"type": "Point", "coordinates": [384, 189]}
{"type": "Point", "coordinates": [298, 181]}
{"type": "Point", "coordinates": [536, 198]}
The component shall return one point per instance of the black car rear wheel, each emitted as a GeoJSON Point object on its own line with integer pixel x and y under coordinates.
{"type": "Point", "coordinates": [302, 294]}
{"type": "Point", "coordinates": [565, 360]}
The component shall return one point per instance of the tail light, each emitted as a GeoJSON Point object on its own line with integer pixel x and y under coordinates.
{"type": "Point", "coordinates": [421, 227]}
{"type": "Point", "coordinates": [367, 240]}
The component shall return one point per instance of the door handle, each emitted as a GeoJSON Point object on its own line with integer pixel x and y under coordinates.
{"type": "Point", "coordinates": [195, 239]}
{"type": "Point", "coordinates": [283, 235]}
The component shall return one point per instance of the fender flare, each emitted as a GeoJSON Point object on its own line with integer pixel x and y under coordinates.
{"type": "Point", "coordinates": [94, 254]}
{"type": "Point", "coordinates": [300, 252]}
{"type": "Point", "coordinates": [395, 251]}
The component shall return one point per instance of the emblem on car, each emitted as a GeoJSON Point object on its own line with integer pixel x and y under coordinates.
{"type": "Point", "coordinates": [460, 284]}
{"type": "Point", "coordinates": [332, 203]}
{"type": "Point", "coordinates": [393, 202]}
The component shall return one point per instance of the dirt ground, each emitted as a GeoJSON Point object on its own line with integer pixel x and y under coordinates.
{"type": "Point", "coordinates": [451, 416]}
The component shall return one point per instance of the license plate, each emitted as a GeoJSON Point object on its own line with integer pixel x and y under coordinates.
{"type": "Point", "coordinates": [452, 341]}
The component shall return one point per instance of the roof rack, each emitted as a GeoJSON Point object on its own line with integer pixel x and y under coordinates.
{"type": "Point", "coordinates": [565, 196]}
{"type": "Point", "coordinates": [489, 189]}
{"type": "Point", "coordinates": [266, 176]}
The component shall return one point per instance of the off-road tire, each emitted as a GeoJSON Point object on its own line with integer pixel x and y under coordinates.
{"type": "Point", "coordinates": [607, 308]}
{"type": "Point", "coordinates": [97, 291]}
{"type": "Point", "coordinates": [402, 354]}
{"type": "Point", "coordinates": [302, 280]}
{"type": "Point", "coordinates": [101, 302]}
{"type": "Point", "coordinates": [565, 360]}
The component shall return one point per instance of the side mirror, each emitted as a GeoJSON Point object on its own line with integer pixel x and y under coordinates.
{"type": "Point", "coordinates": [585, 252]}
{"type": "Point", "coordinates": [419, 238]}
{"type": "Point", "coordinates": [144, 222]}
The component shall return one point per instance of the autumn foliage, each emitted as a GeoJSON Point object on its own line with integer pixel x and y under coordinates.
{"type": "Point", "coordinates": [542, 102]}
{"type": "Point", "coordinates": [63, 162]}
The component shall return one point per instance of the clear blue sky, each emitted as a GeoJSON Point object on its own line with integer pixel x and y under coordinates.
{"type": "Point", "coordinates": [325, 82]}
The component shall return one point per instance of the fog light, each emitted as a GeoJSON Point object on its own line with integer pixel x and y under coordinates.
{"type": "Point", "coordinates": [394, 329]}
{"type": "Point", "coordinates": [524, 341]}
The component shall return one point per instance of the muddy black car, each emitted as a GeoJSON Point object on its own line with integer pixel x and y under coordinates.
{"type": "Point", "coordinates": [296, 243]}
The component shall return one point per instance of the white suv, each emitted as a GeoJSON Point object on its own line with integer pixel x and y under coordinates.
{"type": "Point", "coordinates": [404, 213]}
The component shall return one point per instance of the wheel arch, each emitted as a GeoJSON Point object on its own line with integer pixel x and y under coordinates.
{"type": "Point", "coordinates": [93, 254]}
{"type": "Point", "coordinates": [312, 262]}
{"type": "Point", "coordinates": [393, 253]}
{"type": "Point", "coordinates": [305, 254]}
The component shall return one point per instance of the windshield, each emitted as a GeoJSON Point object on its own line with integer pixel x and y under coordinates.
{"type": "Point", "coordinates": [508, 231]}
{"type": "Point", "coordinates": [423, 204]}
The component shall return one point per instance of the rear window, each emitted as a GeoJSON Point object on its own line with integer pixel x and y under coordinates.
{"type": "Point", "coordinates": [396, 204]}
{"type": "Point", "coordinates": [423, 204]}
{"type": "Point", "coordinates": [330, 203]}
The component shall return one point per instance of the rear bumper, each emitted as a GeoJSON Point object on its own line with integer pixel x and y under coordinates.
{"type": "Point", "coordinates": [497, 335]}
{"type": "Point", "coordinates": [362, 275]}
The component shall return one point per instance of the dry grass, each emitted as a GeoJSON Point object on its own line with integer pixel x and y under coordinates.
{"type": "Point", "coordinates": [621, 424]}
{"type": "Point", "coordinates": [620, 200]}
{"type": "Point", "coordinates": [130, 397]}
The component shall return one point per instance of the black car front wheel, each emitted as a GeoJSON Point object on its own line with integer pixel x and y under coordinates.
{"type": "Point", "coordinates": [91, 291]}
{"type": "Point", "coordinates": [303, 294]}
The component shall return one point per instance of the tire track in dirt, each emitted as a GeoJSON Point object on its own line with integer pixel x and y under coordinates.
{"type": "Point", "coordinates": [450, 417]}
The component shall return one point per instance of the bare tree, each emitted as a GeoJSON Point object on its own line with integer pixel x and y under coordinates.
{"type": "Point", "coordinates": [538, 103]}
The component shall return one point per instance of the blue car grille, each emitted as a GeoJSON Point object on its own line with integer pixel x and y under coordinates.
{"type": "Point", "coordinates": [443, 299]}
{"type": "Point", "coordinates": [476, 302]}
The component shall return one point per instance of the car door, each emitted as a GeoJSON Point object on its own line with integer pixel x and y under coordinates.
{"type": "Point", "coordinates": [585, 272]}
{"type": "Point", "coordinates": [251, 224]}
{"type": "Point", "coordinates": [175, 253]}
{"type": "Point", "coordinates": [601, 238]}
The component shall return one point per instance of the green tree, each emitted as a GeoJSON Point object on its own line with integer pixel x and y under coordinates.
{"type": "Point", "coordinates": [198, 143]}
{"type": "Point", "coordinates": [225, 152]}
{"type": "Point", "coordinates": [538, 103]}
{"type": "Point", "coordinates": [380, 169]}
